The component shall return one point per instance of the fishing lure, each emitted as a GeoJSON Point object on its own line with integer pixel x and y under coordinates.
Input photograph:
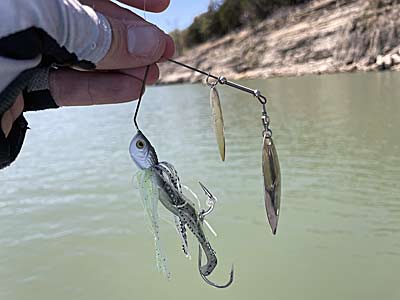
{"type": "Point", "coordinates": [164, 185]}
{"type": "Point", "coordinates": [160, 181]}
{"type": "Point", "coordinates": [270, 162]}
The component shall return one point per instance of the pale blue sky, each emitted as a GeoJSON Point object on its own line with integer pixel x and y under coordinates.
{"type": "Point", "coordinates": [179, 14]}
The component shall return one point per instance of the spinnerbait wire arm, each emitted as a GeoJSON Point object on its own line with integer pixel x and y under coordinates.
{"type": "Point", "coordinates": [222, 80]}
{"type": "Point", "coordinates": [140, 97]}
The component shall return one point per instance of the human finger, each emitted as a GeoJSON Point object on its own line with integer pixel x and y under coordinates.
{"type": "Point", "coordinates": [75, 88]}
{"type": "Point", "coordinates": [147, 5]}
{"type": "Point", "coordinates": [169, 49]}
{"type": "Point", "coordinates": [111, 9]}
{"type": "Point", "coordinates": [135, 44]}
{"type": "Point", "coordinates": [11, 115]}
{"type": "Point", "coordinates": [152, 75]}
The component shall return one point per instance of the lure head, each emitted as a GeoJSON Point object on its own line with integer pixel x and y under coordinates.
{"type": "Point", "coordinates": [142, 152]}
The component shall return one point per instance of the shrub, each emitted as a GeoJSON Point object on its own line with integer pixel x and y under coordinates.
{"type": "Point", "coordinates": [224, 16]}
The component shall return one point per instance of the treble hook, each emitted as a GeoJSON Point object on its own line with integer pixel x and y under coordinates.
{"type": "Point", "coordinates": [209, 281]}
{"type": "Point", "coordinates": [211, 204]}
{"type": "Point", "coordinates": [140, 97]}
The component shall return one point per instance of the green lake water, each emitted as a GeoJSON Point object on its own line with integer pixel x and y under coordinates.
{"type": "Point", "coordinates": [72, 225]}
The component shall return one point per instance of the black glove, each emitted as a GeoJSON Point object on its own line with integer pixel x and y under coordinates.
{"type": "Point", "coordinates": [11, 146]}
{"type": "Point", "coordinates": [33, 83]}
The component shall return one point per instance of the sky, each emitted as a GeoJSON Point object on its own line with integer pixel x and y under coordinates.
{"type": "Point", "coordinates": [178, 15]}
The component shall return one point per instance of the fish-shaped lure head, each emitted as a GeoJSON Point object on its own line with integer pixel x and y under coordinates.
{"type": "Point", "coordinates": [142, 152]}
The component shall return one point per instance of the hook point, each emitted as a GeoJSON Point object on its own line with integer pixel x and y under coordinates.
{"type": "Point", "coordinates": [206, 191]}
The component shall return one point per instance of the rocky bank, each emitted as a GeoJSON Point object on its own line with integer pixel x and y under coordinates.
{"type": "Point", "coordinates": [323, 36]}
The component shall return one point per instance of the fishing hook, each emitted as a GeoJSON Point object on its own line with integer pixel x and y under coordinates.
{"type": "Point", "coordinates": [211, 203]}
{"type": "Point", "coordinates": [140, 97]}
{"type": "Point", "coordinates": [209, 281]}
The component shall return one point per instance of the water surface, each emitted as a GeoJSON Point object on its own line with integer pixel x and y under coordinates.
{"type": "Point", "coordinates": [72, 225]}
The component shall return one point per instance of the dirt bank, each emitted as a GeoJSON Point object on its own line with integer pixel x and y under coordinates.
{"type": "Point", "coordinates": [323, 36]}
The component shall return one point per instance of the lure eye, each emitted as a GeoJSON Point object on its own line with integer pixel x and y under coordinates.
{"type": "Point", "coordinates": [140, 144]}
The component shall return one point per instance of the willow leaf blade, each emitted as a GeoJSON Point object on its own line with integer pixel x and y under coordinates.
{"type": "Point", "coordinates": [218, 121]}
{"type": "Point", "coordinates": [272, 182]}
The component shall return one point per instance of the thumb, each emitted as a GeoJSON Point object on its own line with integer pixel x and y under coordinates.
{"type": "Point", "coordinates": [135, 43]}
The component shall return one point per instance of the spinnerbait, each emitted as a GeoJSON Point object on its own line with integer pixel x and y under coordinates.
{"type": "Point", "coordinates": [168, 188]}
{"type": "Point", "coordinates": [160, 181]}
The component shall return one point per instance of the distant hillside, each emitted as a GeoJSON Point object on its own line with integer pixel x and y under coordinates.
{"type": "Point", "coordinates": [321, 36]}
{"type": "Point", "coordinates": [224, 16]}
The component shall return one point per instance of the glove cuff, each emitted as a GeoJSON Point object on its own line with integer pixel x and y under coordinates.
{"type": "Point", "coordinates": [11, 145]}
{"type": "Point", "coordinates": [37, 94]}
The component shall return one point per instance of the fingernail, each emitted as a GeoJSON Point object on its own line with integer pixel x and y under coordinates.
{"type": "Point", "coordinates": [143, 40]}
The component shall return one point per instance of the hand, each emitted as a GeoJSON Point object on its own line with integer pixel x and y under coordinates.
{"type": "Point", "coordinates": [135, 44]}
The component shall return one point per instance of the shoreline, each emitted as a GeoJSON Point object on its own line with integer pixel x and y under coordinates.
{"type": "Point", "coordinates": [276, 76]}
{"type": "Point", "coordinates": [321, 37]}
